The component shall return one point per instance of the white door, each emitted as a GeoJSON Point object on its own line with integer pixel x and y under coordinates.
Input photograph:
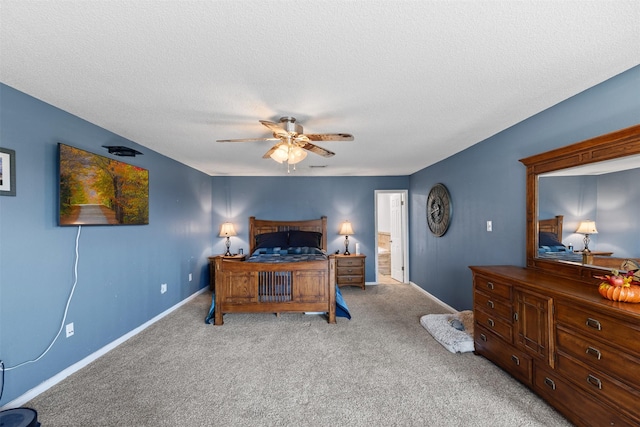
{"type": "Point", "coordinates": [397, 255]}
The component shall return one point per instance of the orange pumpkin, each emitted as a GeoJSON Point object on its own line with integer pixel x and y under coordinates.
{"type": "Point", "coordinates": [629, 293]}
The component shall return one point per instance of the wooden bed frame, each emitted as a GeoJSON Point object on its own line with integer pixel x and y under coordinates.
{"type": "Point", "coordinates": [306, 286]}
{"type": "Point", "coordinates": [554, 225]}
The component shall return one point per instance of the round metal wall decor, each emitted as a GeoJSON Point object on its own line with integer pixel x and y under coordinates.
{"type": "Point", "coordinates": [439, 210]}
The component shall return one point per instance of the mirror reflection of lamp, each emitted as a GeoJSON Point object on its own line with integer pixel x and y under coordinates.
{"type": "Point", "coordinates": [346, 230]}
{"type": "Point", "coordinates": [587, 227]}
{"type": "Point", "coordinates": [227, 230]}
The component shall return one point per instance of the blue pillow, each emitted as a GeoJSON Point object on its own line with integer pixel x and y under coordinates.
{"type": "Point", "coordinates": [277, 239]}
{"type": "Point", "coordinates": [547, 238]}
{"type": "Point", "coordinates": [311, 239]}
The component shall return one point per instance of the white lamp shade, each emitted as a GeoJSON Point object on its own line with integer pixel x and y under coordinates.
{"type": "Point", "coordinates": [587, 227]}
{"type": "Point", "coordinates": [227, 230]}
{"type": "Point", "coordinates": [346, 229]}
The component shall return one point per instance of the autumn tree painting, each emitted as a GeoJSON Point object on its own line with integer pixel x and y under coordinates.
{"type": "Point", "coordinates": [98, 190]}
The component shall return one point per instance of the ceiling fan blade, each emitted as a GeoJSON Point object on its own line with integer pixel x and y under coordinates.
{"type": "Point", "coordinates": [275, 128]}
{"type": "Point", "coordinates": [317, 150]}
{"type": "Point", "coordinates": [248, 140]}
{"type": "Point", "coordinates": [329, 136]}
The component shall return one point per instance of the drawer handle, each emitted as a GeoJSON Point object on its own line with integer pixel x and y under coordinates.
{"type": "Point", "coordinates": [593, 323]}
{"type": "Point", "coordinates": [594, 381]}
{"type": "Point", "coordinates": [550, 383]}
{"type": "Point", "coordinates": [515, 359]}
{"type": "Point", "coordinates": [490, 285]}
{"type": "Point", "coordinates": [491, 322]}
{"type": "Point", "coordinates": [350, 279]}
{"type": "Point", "coordinates": [350, 270]}
{"type": "Point", "coordinates": [483, 337]}
{"type": "Point", "coordinates": [594, 352]}
{"type": "Point", "coordinates": [490, 304]}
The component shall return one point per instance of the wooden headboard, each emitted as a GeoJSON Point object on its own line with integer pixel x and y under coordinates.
{"type": "Point", "coordinates": [260, 226]}
{"type": "Point", "coordinates": [553, 225]}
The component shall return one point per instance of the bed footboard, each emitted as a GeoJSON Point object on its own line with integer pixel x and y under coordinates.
{"type": "Point", "coordinates": [247, 287]}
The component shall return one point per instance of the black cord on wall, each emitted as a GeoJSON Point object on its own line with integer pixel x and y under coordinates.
{"type": "Point", "coordinates": [1, 378]}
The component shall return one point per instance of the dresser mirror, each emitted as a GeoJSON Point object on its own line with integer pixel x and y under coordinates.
{"type": "Point", "coordinates": [590, 180]}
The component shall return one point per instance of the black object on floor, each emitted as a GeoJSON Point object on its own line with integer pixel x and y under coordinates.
{"type": "Point", "coordinates": [19, 417]}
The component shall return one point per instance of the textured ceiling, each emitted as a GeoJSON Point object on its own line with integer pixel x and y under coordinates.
{"type": "Point", "coordinates": [413, 81]}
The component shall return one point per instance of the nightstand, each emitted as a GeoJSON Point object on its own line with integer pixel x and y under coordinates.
{"type": "Point", "coordinates": [350, 270]}
{"type": "Point", "coordinates": [587, 257]}
{"type": "Point", "coordinates": [212, 266]}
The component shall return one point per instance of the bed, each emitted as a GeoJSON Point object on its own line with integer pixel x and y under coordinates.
{"type": "Point", "coordinates": [288, 270]}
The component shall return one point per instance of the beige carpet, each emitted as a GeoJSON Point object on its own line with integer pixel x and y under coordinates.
{"type": "Point", "coordinates": [380, 368]}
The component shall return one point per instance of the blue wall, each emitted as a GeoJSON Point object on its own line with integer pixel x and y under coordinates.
{"type": "Point", "coordinates": [619, 213]}
{"type": "Point", "coordinates": [235, 199]}
{"type": "Point", "coordinates": [120, 268]}
{"type": "Point", "coordinates": [487, 182]}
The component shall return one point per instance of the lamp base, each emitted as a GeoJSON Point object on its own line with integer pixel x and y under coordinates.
{"type": "Point", "coordinates": [228, 244]}
{"type": "Point", "coordinates": [346, 246]}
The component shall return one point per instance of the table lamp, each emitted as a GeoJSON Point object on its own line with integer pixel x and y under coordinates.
{"type": "Point", "coordinates": [346, 230]}
{"type": "Point", "coordinates": [227, 230]}
{"type": "Point", "coordinates": [587, 227]}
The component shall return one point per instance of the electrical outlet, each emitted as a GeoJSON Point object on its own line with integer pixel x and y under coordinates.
{"type": "Point", "coordinates": [190, 277]}
{"type": "Point", "coordinates": [163, 288]}
{"type": "Point", "coordinates": [489, 226]}
{"type": "Point", "coordinates": [69, 329]}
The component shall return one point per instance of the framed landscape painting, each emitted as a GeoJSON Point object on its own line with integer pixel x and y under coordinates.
{"type": "Point", "coordinates": [7, 172]}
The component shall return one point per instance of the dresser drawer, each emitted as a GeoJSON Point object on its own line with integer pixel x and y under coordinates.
{"type": "Point", "coordinates": [349, 262]}
{"type": "Point", "coordinates": [604, 327]}
{"type": "Point", "coordinates": [502, 354]}
{"type": "Point", "coordinates": [492, 287]}
{"type": "Point", "coordinates": [349, 280]}
{"type": "Point", "coordinates": [600, 356]}
{"type": "Point", "coordinates": [493, 306]}
{"type": "Point", "coordinates": [583, 409]}
{"type": "Point", "coordinates": [603, 387]}
{"type": "Point", "coordinates": [495, 324]}
{"type": "Point", "coordinates": [350, 271]}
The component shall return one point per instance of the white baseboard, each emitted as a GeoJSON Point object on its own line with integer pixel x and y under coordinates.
{"type": "Point", "coordinates": [47, 384]}
{"type": "Point", "coordinates": [443, 304]}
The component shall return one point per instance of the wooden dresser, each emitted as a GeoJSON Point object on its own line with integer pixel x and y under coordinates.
{"type": "Point", "coordinates": [350, 270]}
{"type": "Point", "coordinates": [577, 350]}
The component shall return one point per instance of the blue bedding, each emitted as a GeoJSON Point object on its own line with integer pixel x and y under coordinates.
{"type": "Point", "coordinates": [293, 254]}
{"type": "Point", "coordinates": [560, 255]}
{"type": "Point", "coordinates": [341, 307]}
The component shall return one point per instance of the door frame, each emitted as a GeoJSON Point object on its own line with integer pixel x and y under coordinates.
{"type": "Point", "coordinates": [405, 229]}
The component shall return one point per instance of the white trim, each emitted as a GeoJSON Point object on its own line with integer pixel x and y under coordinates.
{"type": "Point", "coordinates": [47, 384]}
{"type": "Point", "coordinates": [443, 304]}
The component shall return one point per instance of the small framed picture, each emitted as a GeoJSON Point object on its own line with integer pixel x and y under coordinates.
{"type": "Point", "coordinates": [7, 172]}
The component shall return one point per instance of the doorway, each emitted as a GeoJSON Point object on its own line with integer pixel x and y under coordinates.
{"type": "Point", "coordinates": [392, 239]}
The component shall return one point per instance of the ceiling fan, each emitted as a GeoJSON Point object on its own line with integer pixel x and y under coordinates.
{"type": "Point", "coordinates": [292, 142]}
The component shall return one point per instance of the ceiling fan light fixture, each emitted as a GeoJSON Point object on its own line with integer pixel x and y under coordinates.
{"type": "Point", "coordinates": [280, 154]}
{"type": "Point", "coordinates": [296, 155]}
